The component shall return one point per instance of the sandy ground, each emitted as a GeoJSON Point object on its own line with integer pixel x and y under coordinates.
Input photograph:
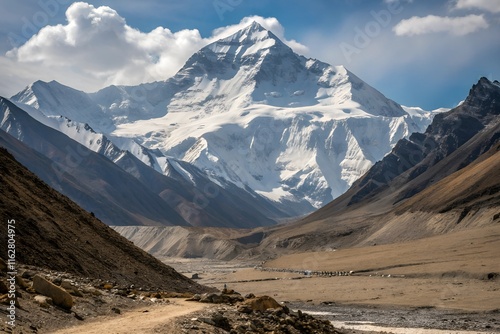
{"type": "Point", "coordinates": [447, 293]}
{"type": "Point", "coordinates": [143, 320]}
{"type": "Point", "coordinates": [458, 271]}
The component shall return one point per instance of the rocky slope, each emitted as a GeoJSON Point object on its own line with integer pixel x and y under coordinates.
{"type": "Point", "coordinates": [53, 232]}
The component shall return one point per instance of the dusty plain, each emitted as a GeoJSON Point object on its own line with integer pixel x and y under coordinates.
{"type": "Point", "coordinates": [447, 282]}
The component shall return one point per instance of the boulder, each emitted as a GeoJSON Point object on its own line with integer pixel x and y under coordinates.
{"type": "Point", "coordinates": [262, 303]}
{"type": "Point", "coordinates": [60, 297]}
{"type": "Point", "coordinates": [221, 321]}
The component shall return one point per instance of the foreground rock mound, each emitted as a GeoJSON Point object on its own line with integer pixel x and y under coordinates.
{"type": "Point", "coordinates": [260, 314]}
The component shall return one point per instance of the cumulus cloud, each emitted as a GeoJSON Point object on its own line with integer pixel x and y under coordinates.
{"type": "Point", "coordinates": [492, 6]}
{"type": "Point", "coordinates": [432, 24]}
{"type": "Point", "coordinates": [99, 44]}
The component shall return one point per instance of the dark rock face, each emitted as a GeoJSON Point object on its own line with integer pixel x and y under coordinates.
{"type": "Point", "coordinates": [447, 133]}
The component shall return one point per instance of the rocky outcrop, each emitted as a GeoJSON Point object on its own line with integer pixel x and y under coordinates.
{"type": "Point", "coordinates": [447, 133]}
{"type": "Point", "coordinates": [256, 315]}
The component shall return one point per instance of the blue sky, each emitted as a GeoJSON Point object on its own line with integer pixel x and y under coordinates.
{"type": "Point", "coordinates": [418, 53]}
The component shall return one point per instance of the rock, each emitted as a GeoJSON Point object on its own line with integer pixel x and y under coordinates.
{"type": "Point", "coordinates": [28, 274]}
{"type": "Point", "coordinates": [221, 321]}
{"type": "Point", "coordinates": [91, 290]}
{"type": "Point", "coordinates": [57, 280]}
{"type": "Point", "coordinates": [195, 298]}
{"type": "Point", "coordinates": [262, 303]}
{"type": "Point", "coordinates": [249, 296]}
{"type": "Point", "coordinates": [21, 283]}
{"type": "Point", "coordinates": [207, 321]}
{"type": "Point", "coordinates": [67, 285]}
{"type": "Point", "coordinates": [195, 276]}
{"type": "Point", "coordinates": [43, 301]}
{"type": "Point", "coordinates": [75, 292]}
{"type": "Point", "coordinates": [245, 309]}
{"type": "Point", "coordinates": [211, 298]}
{"type": "Point", "coordinates": [116, 310]}
{"type": "Point", "coordinates": [59, 296]}
{"type": "Point", "coordinates": [107, 286]}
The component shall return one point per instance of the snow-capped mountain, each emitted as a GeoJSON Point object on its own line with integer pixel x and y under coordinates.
{"type": "Point", "coordinates": [249, 110]}
{"type": "Point", "coordinates": [118, 187]}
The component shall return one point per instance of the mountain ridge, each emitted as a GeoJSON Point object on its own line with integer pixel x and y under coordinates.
{"type": "Point", "coordinates": [161, 196]}
{"type": "Point", "coordinates": [249, 110]}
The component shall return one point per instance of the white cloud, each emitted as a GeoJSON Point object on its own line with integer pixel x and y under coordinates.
{"type": "Point", "coordinates": [432, 24]}
{"type": "Point", "coordinates": [96, 48]}
{"type": "Point", "coordinates": [394, 1]}
{"type": "Point", "coordinates": [492, 6]}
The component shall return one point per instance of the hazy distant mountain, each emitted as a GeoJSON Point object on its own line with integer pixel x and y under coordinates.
{"type": "Point", "coordinates": [94, 182]}
{"type": "Point", "coordinates": [248, 110]}
{"type": "Point", "coordinates": [127, 192]}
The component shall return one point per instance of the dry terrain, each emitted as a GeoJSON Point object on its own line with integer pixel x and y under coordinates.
{"type": "Point", "coordinates": [142, 320]}
{"type": "Point", "coordinates": [455, 271]}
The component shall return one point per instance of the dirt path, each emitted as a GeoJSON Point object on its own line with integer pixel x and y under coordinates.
{"type": "Point", "coordinates": [143, 320]}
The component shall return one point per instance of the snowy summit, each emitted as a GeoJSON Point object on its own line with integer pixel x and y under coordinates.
{"type": "Point", "coordinates": [249, 110]}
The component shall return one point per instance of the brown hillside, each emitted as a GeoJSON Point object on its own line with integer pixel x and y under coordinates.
{"type": "Point", "coordinates": [53, 232]}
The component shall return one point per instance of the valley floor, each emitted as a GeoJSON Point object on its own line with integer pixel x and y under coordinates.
{"type": "Point", "coordinates": [440, 285]}
{"type": "Point", "coordinates": [449, 282]}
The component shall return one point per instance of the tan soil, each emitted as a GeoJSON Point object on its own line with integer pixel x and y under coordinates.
{"type": "Point", "coordinates": [449, 272]}
{"type": "Point", "coordinates": [143, 320]}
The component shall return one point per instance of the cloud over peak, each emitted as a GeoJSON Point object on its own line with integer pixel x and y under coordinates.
{"type": "Point", "coordinates": [97, 42]}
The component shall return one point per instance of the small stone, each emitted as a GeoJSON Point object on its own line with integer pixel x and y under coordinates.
{"type": "Point", "coordinates": [107, 286]}
{"type": "Point", "coordinates": [43, 301]}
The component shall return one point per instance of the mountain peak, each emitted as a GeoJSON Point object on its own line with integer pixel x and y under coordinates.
{"type": "Point", "coordinates": [255, 26]}
{"type": "Point", "coordinates": [248, 41]}
{"type": "Point", "coordinates": [483, 91]}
